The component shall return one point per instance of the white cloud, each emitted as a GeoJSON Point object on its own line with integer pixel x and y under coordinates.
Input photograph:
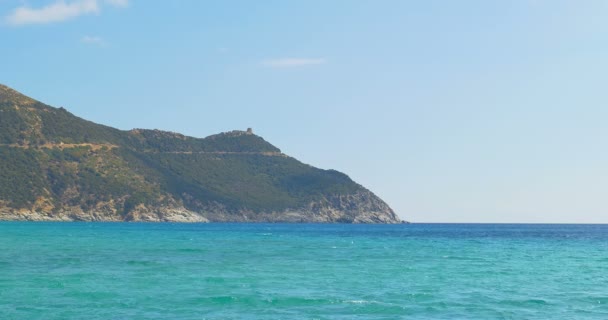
{"type": "Point", "coordinates": [118, 3]}
{"type": "Point", "coordinates": [293, 62]}
{"type": "Point", "coordinates": [92, 40]}
{"type": "Point", "coordinates": [58, 11]}
{"type": "Point", "coordinates": [55, 12]}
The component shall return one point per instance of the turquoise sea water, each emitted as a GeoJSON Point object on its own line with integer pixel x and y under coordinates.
{"type": "Point", "coordinates": [279, 271]}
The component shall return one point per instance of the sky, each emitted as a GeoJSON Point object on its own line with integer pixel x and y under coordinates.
{"type": "Point", "coordinates": [451, 111]}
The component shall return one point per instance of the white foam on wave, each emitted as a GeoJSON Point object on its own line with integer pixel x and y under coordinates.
{"type": "Point", "coordinates": [359, 301]}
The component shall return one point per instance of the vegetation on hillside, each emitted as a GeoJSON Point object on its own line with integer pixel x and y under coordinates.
{"type": "Point", "coordinates": [51, 154]}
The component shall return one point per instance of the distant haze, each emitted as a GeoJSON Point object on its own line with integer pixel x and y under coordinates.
{"type": "Point", "coordinates": [451, 111]}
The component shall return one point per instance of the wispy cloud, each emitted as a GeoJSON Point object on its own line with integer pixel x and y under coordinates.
{"type": "Point", "coordinates": [93, 40]}
{"type": "Point", "coordinates": [118, 3]}
{"type": "Point", "coordinates": [58, 11]}
{"type": "Point", "coordinates": [293, 62]}
{"type": "Point", "coordinates": [55, 12]}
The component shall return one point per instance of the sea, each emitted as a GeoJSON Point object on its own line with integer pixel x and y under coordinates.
{"type": "Point", "coordinates": [302, 271]}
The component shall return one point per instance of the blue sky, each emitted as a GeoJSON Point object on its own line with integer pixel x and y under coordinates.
{"type": "Point", "coordinates": [451, 111]}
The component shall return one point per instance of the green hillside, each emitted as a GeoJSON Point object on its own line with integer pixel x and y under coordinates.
{"type": "Point", "coordinates": [56, 166]}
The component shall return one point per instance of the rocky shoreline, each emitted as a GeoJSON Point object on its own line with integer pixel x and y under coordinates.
{"type": "Point", "coordinates": [362, 207]}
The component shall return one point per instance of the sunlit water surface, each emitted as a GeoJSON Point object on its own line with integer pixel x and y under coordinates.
{"type": "Point", "coordinates": [294, 271]}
